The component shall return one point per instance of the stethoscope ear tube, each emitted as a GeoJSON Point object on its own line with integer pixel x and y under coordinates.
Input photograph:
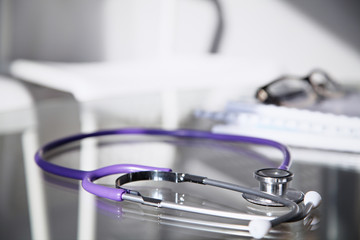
{"type": "Point", "coordinates": [109, 192]}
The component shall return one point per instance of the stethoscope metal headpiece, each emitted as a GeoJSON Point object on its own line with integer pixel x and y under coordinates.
{"type": "Point", "coordinates": [275, 181]}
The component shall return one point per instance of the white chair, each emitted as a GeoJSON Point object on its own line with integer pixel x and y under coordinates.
{"type": "Point", "coordinates": [17, 116]}
{"type": "Point", "coordinates": [164, 76]}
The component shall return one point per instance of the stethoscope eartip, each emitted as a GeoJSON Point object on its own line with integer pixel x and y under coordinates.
{"type": "Point", "coordinates": [258, 228]}
{"type": "Point", "coordinates": [312, 197]}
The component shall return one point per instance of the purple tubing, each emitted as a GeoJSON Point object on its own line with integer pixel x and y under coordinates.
{"type": "Point", "coordinates": [115, 194]}
{"type": "Point", "coordinates": [108, 192]}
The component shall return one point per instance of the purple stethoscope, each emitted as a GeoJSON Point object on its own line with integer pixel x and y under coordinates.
{"type": "Point", "coordinates": [273, 190]}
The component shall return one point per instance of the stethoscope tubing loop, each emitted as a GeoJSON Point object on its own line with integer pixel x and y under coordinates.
{"type": "Point", "coordinates": [182, 133]}
{"type": "Point", "coordinates": [116, 194]}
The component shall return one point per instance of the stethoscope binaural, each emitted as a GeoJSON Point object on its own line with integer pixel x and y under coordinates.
{"type": "Point", "coordinates": [273, 181]}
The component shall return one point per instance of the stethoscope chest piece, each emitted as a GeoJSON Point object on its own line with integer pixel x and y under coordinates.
{"type": "Point", "coordinates": [274, 181]}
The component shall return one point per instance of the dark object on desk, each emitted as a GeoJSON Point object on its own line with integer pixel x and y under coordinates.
{"type": "Point", "coordinates": [316, 91]}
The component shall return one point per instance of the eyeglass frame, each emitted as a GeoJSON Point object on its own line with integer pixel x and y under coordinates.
{"type": "Point", "coordinates": [270, 99]}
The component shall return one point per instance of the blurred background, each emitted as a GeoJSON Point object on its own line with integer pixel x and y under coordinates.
{"type": "Point", "coordinates": [81, 65]}
{"type": "Point", "coordinates": [282, 36]}
{"type": "Point", "coordinates": [91, 50]}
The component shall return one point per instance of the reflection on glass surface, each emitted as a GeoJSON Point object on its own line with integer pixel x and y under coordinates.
{"type": "Point", "coordinates": [313, 170]}
{"type": "Point", "coordinates": [188, 152]}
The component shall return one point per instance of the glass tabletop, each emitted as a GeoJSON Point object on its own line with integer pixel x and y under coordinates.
{"type": "Point", "coordinates": [38, 205]}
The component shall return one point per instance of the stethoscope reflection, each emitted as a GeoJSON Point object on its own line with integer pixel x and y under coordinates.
{"type": "Point", "coordinates": [122, 211]}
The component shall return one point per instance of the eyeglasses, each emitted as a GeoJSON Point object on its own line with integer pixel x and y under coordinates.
{"type": "Point", "coordinates": [300, 91]}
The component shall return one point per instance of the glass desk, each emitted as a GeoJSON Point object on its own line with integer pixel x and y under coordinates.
{"type": "Point", "coordinates": [42, 206]}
